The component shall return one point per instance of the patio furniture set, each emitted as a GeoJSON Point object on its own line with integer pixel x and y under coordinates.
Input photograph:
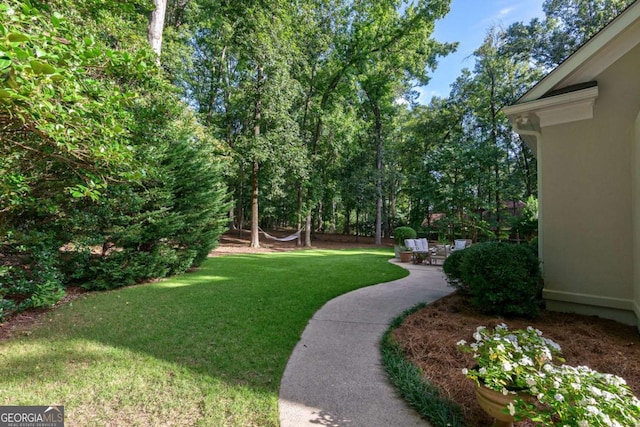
{"type": "Point", "coordinates": [435, 254]}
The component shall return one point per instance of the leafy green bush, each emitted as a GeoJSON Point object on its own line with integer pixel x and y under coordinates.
{"type": "Point", "coordinates": [526, 224]}
{"type": "Point", "coordinates": [6, 306]}
{"type": "Point", "coordinates": [533, 245]}
{"type": "Point", "coordinates": [167, 224]}
{"type": "Point", "coordinates": [404, 232]}
{"type": "Point", "coordinates": [32, 281]}
{"type": "Point", "coordinates": [136, 193]}
{"type": "Point", "coordinates": [124, 268]}
{"type": "Point", "coordinates": [500, 278]}
{"type": "Point", "coordinates": [452, 268]}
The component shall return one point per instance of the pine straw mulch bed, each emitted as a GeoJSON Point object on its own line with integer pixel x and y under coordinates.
{"type": "Point", "coordinates": [429, 338]}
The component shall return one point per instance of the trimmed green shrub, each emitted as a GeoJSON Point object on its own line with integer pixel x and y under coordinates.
{"type": "Point", "coordinates": [502, 278]}
{"type": "Point", "coordinates": [533, 245]}
{"type": "Point", "coordinates": [404, 232]}
{"type": "Point", "coordinates": [452, 268]}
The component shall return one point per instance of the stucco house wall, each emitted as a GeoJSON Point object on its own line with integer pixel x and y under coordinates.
{"type": "Point", "coordinates": [636, 218]}
{"type": "Point", "coordinates": [583, 121]}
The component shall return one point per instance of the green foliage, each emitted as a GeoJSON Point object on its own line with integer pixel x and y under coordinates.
{"type": "Point", "coordinates": [101, 157]}
{"type": "Point", "coordinates": [533, 245]}
{"type": "Point", "coordinates": [6, 307]}
{"type": "Point", "coordinates": [62, 105]}
{"type": "Point", "coordinates": [32, 280]}
{"type": "Point", "coordinates": [526, 224]}
{"type": "Point", "coordinates": [500, 278]}
{"type": "Point", "coordinates": [402, 233]}
{"type": "Point", "coordinates": [122, 268]}
{"type": "Point", "coordinates": [570, 23]}
{"type": "Point", "coordinates": [65, 114]}
{"type": "Point", "coordinates": [452, 268]}
{"type": "Point", "coordinates": [164, 227]}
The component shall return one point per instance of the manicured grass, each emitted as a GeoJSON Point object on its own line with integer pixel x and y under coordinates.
{"type": "Point", "coordinates": [206, 348]}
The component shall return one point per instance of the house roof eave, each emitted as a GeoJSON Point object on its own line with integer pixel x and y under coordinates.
{"type": "Point", "coordinates": [547, 111]}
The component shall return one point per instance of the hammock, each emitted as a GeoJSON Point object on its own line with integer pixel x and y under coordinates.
{"type": "Point", "coordinates": [282, 239]}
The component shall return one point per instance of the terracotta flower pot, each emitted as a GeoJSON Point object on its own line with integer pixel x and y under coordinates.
{"type": "Point", "coordinates": [493, 402]}
{"type": "Point", "coordinates": [405, 256]}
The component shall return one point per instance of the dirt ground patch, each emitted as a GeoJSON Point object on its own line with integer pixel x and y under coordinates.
{"type": "Point", "coordinates": [234, 242]}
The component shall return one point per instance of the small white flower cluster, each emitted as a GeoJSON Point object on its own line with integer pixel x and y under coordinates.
{"type": "Point", "coordinates": [583, 396]}
{"type": "Point", "coordinates": [504, 357]}
{"type": "Point", "coordinates": [572, 396]}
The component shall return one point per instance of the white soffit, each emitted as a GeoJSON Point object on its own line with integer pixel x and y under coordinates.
{"type": "Point", "coordinates": [610, 44]}
{"type": "Point", "coordinates": [565, 108]}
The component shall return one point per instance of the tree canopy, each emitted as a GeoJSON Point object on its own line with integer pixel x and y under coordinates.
{"type": "Point", "coordinates": [133, 132]}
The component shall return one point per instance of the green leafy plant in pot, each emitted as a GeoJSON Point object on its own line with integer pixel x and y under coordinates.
{"type": "Point", "coordinates": [399, 236]}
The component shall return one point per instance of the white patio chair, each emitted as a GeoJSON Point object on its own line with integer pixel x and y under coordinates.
{"type": "Point", "coordinates": [420, 250]}
{"type": "Point", "coordinates": [460, 244]}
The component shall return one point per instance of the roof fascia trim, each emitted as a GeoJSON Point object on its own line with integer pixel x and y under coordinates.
{"type": "Point", "coordinates": [565, 108]}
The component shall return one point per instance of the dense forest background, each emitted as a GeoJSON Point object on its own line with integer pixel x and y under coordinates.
{"type": "Point", "coordinates": [132, 133]}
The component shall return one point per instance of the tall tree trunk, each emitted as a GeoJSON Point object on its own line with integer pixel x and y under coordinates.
{"type": "Point", "coordinates": [375, 108]}
{"type": "Point", "coordinates": [320, 226]}
{"type": "Point", "coordinates": [307, 234]}
{"type": "Point", "coordinates": [240, 208]}
{"type": "Point", "coordinates": [496, 166]}
{"type": "Point", "coordinates": [392, 208]}
{"type": "Point", "coordinates": [156, 25]}
{"type": "Point", "coordinates": [314, 152]}
{"type": "Point", "coordinates": [347, 222]}
{"type": "Point", "coordinates": [379, 172]}
{"type": "Point", "coordinates": [299, 240]}
{"type": "Point", "coordinates": [255, 236]}
{"type": "Point", "coordinates": [528, 172]}
{"type": "Point", "coordinates": [217, 77]}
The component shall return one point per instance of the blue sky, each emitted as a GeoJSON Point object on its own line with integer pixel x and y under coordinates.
{"type": "Point", "coordinates": [467, 23]}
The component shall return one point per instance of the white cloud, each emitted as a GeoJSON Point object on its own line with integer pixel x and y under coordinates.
{"type": "Point", "coordinates": [505, 11]}
{"type": "Point", "coordinates": [425, 94]}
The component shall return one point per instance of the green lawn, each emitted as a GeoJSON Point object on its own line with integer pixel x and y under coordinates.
{"type": "Point", "coordinates": [206, 348]}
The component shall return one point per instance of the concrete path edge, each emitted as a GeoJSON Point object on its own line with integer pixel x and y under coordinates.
{"type": "Point", "coordinates": [334, 376]}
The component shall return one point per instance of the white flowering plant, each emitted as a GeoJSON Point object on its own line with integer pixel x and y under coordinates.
{"type": "Point", "coordinates": [561, 395]}
{"type": "Point", "coordinates": [507, 359]}
{"type": "Point", "coordinates": [577, 397]}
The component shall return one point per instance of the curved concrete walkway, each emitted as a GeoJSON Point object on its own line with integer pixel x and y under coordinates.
{"type": "Point", "coordinates": [334, 376]}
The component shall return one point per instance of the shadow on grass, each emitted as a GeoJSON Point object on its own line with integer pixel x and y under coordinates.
{"type": "Point", "coordinates": [236, 319]}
